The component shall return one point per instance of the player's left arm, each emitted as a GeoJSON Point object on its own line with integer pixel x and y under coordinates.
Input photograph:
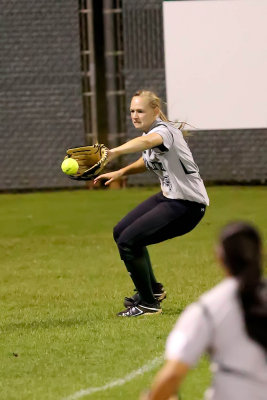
{"type": "Point", "coordinates": [136, 145]}
{"type": "Point", "coordinates": [167, 381]}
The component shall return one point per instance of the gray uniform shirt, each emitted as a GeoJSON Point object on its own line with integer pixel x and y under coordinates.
{"type": "Point", "coordinates": [215, 324]}
{"type": "Point", "coordinates": [174, 165]}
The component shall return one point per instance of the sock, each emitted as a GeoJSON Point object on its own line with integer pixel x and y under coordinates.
{"type": "Point", "coordinates": [140, 274]}
{"type": "Point", "coordinates": [153, 280]}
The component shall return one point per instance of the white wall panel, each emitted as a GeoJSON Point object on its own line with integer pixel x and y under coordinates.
{"type": "Point", "coordinates": [216, 62]}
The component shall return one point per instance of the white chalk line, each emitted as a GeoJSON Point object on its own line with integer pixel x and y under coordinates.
{"type": "Point", "coordinates": [119, 382]}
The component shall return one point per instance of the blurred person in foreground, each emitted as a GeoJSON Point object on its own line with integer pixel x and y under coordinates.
{"type": "Point", "coordinates": [229, 322]}
{"type": "Point", "coordinates": [176, 210]}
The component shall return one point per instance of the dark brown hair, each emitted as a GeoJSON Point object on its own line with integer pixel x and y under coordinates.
{"type": "Point", "coordinates": [242, 247]}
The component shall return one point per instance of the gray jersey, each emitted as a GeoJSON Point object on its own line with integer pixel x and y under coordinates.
{"type": "Point", "coordinates": [215, 324]}
{"type": "Point", "coordinates": [174, 165]}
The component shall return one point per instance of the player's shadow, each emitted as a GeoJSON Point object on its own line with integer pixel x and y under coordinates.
{"type": "Point", "coordinates": [65, 323]}
{"type": "Point", "coordinates": [176, 311]}
{"type": "Point", "coordinates": [44, 324]}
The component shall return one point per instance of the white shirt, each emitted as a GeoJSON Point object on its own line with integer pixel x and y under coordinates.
{"type": "Point", "coordinates": [174, 165]}
{"type": "Point", "coordinates": [215, 324]}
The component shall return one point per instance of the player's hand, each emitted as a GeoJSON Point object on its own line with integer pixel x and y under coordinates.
{"type": "Point", "coordinates": [109, 177]}
{"type": "Point", "coordinates": [146, 396]}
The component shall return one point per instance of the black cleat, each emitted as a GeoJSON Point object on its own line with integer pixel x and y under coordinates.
{"type": "Point", "coordinates": [159, 294]}
{"type": "Point", "coordinates": [137, 309]}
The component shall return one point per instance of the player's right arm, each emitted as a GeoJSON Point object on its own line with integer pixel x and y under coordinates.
{"type": "Point", "coordinates": [167, 381]}
{"type": "Point", "coordinates": [135, 168]}
{"type": "Point", "coordinates": [190, 337]}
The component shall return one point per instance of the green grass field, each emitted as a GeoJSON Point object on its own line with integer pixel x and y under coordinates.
{"type": "Point", "coordinates": [62, 283]}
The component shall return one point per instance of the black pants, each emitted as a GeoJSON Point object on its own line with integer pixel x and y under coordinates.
{"type": "Point", "coordinates": [155, 220]}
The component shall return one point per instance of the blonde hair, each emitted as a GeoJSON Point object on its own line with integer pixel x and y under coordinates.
{"type": "Point", "coordinates": [155, 102]}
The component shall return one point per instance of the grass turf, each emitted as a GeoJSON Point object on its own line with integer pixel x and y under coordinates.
{"type": "Point", "coordinates": [62, 283]}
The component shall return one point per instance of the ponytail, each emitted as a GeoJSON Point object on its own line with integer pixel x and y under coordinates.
{"type": "Point", "coordinates": [242, 255]}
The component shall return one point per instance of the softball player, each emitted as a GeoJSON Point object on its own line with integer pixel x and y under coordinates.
{"type": "Point", "coordinates": [175, 211]}
{"type": "Point", "coordinates": [229, 322]}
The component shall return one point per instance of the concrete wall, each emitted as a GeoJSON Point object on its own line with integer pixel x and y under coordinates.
{"type": "Point", "coordinates": [40, 92]}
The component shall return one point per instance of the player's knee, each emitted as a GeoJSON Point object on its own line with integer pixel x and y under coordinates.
{"type": "Point", "coordinates": [126, 250]}
{"type": "Point", "coordinates": [129, 249]}
{"type": "Point", "coordinates": [116, 233]}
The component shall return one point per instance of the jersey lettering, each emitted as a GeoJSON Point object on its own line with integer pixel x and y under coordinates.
{"type": "Point", "coordinates": [166, 182]}
{"type": "Point", "coordinates": [155, 166]}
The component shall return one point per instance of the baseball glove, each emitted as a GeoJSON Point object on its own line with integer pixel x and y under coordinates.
{"type": "Point", "coordinates": [91, 160]}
